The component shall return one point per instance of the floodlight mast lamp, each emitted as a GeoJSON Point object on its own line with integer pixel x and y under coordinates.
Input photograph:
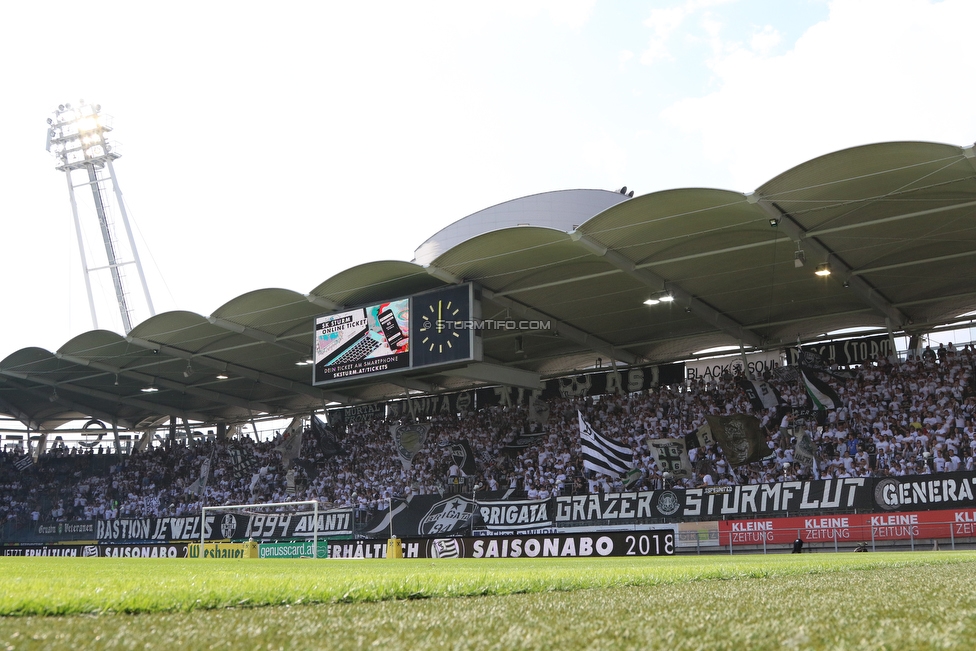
{"type": "Point", "coordinates": [77, 136]}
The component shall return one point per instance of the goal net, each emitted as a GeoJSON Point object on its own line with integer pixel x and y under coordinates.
{"type": "Point", "coordinates": [304, 523]}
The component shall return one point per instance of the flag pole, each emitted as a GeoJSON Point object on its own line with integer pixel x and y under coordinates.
{"type": "Point", "coordinates": [745, 363]}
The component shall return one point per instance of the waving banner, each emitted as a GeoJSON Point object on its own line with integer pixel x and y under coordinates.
{"type": "Point", "coordinates": [453, 515]}
{"type": "Point", "coordinates": [671, 455]}
{"type": "Point", "coordinates": [740, 436]}
{"type": "Point", "coordinates": [409, 439]}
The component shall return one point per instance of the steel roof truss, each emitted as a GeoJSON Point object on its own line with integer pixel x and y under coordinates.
{"type": "Point", "coordinates": [697, 306]}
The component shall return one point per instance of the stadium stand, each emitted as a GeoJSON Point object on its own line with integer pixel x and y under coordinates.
{"type": "Point", "coordinates": [913, 416]}
{"type": "Point", "coordinates": [603, 279]}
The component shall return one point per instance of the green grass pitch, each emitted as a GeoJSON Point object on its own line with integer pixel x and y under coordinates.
{"type": "Point", "coordinates": [924, 600]}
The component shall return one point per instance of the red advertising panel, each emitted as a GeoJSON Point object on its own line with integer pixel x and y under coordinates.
{"type": "Point", "coordinates": [960, 523]}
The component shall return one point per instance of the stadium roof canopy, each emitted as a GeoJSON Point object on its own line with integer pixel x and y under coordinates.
{"type": "Point", "coordinates": [896, 223]}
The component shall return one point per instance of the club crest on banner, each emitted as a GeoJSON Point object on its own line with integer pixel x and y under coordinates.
{"type": "Point", "coordinates": [538, 410]}
{"type": "Point", "coordinates": [447, 516]}
{"type": "Point", "coordinates": [409, 440]}
{"type": "Point", "coordinates": [228, 526]}
{"type": "Point", "coordinates": [668, 503]}
{"type": "Point", "coordinates": [459, 454]}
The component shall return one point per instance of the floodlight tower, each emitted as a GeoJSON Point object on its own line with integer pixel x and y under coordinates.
{"type": "Point", "coordinates": [77, 136]}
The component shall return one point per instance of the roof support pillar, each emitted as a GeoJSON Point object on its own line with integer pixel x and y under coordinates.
{"type": "Point", "coordinates": [41, 444]}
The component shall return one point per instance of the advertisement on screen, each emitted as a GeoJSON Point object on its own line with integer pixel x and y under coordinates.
{"type": "Point", "coordinates": [364, 341]}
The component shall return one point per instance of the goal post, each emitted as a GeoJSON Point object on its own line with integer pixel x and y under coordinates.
{"type": "Point", "coordinates": [267, 508]}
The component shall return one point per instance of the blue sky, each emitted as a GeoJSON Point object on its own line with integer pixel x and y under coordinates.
{"type": "Point", "coordinates": [275, 144]}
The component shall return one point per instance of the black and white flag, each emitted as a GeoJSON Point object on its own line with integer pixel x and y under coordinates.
{"type": "Point", "coordinates": [24, 464]}
{"type": "Point", "coordinates": [200, 485]}
{"type": "Point", "coordinates": [804, 451]}
{"type": "Point", "coordinates": [538, 410]}
{"type": "Point", "coordinates": [463, 456]}
{"type": "Point", "coordinates": [761, 394]}
{"type": "Point", "coordinates": [325, 438]}
{"type": "Point", "coordinates": [290, 446]}
{"type": "Point", "coordinates": [242, 462]}
{"type": "Point", "coordinates": [517, 443]}
{"type": "Point", "coordinates": [701, 438]}
{"type": "Point", "coordinates": [822, 394]}
{"type": "Point", "coordinates": [671, 456]}
{"type": "Point", "coordinates": [603, 454]}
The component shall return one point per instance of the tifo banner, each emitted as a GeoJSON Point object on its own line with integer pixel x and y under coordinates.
{"type": "Point", "coordinates": [616, 381]}
{"type": "Point", "coordinates": [625, 380]}
{"type": "Point", "coordinates": [451, 515]}
{"type": "Point", "coordinates": [917, 492]}
{"type": "Point", "coordinates": [228, 526]}
{"type": "Point", "coordinates": [671, 456]}
{"type": "Point", "coordinates": [778, 498]}
{"type": "Point", "coordinates": [650, 542]}
{"type": "Point", "coordinates": [511, 516]}
{"type": "Point", "coordinates": [846, 352]}
{"type": "Point", "coordinates": [432, 515]}
{"type": "Point", "coordinates": [408, 439]}
{"type": "Point", "coordinates": [356, 414]}
{"type": "Point", "coordinates": [740, 436]}
{"type": "Point", "coordinates": [710, 369]}
{"type": "Point", "coordinates": [612, 507]}
{"type": "Point", "coordinates": [425, 515]}
{"type": "Point", "coordinates": [55, 531]}
{"type": "Point", "coordinates": [445, 404]}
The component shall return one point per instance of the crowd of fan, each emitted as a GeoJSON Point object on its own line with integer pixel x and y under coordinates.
{"type": "Point", "coordinates": [909, 417]}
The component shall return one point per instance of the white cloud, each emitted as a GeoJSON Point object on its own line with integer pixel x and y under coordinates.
{"type": "Point", "coordinates": [571, 13]}
{"type": "Point", "coordinates": [765, 40]}
{"type": "Point", "coordinates": [664, 23]}
{"type": "Point", "coordinates": [606, 157]}
{"type": "Point", "coordinates": [567, 13]}
{"type": "Point", "coordinates": [875, 70]}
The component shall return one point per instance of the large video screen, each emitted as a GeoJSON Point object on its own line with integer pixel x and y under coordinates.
{"type": "Point", "coordinates": [361, 342]}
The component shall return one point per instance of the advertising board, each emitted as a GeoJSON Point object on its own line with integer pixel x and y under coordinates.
{"type": "Point", "coordinates": [643, 542]}
{"type": "Point", "coordinates": [364, 341]}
